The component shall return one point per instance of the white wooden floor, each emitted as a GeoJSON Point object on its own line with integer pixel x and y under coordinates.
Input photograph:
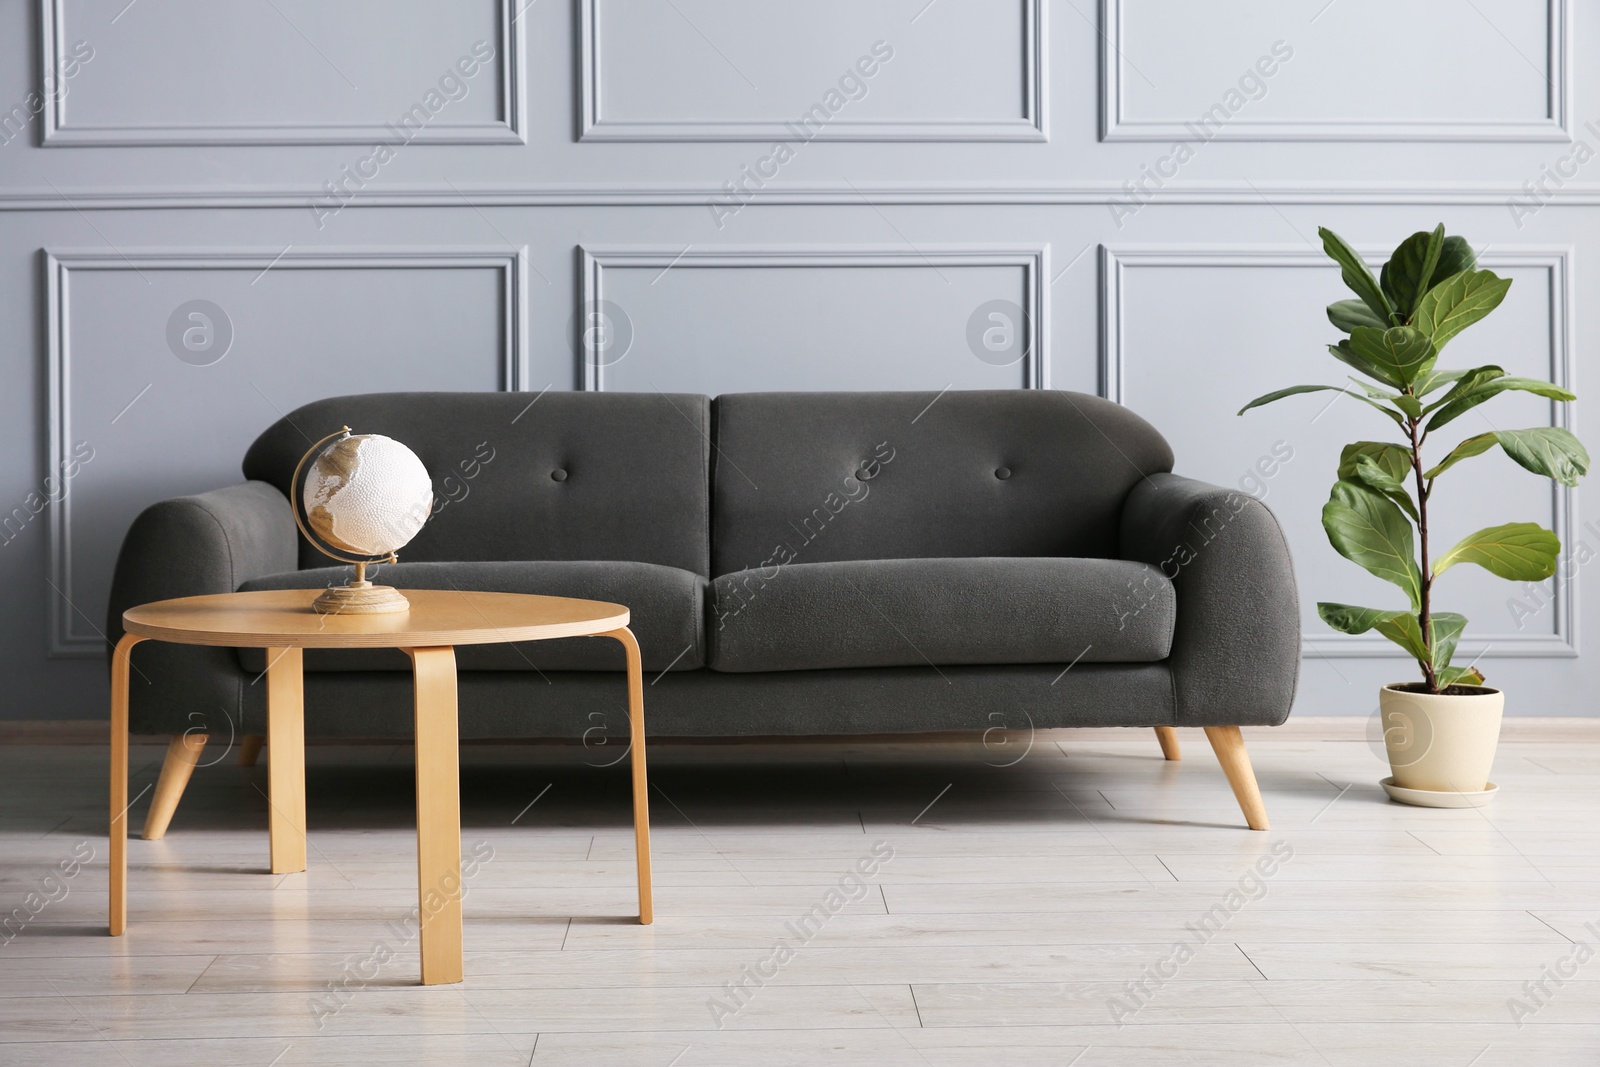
{"type": "Point", "coordinates": [1019, 903]}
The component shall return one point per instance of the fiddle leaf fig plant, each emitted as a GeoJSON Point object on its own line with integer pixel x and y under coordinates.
{"type": "Point", "coordinates": [1377, 513]}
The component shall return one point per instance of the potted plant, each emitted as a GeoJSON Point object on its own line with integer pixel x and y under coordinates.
{"type": "Point", "coordinates": [1441, 733]}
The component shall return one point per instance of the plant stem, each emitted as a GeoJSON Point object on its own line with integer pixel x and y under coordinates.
{"type": "Point", "coordinates": [1424, 615]}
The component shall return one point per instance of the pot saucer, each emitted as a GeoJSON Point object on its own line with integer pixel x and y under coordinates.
{"type": "Point", "coordinates": [1431, 798]}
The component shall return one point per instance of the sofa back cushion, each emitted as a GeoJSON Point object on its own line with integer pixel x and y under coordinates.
{"type": "Point", "coordinates": [823, 477]}
{"type": "Point", "coordinates": [573, 476]}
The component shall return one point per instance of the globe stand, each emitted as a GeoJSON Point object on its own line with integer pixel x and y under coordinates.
{"type": "Point", "coordinates": [360, 597]}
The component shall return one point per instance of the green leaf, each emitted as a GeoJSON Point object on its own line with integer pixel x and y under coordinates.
{"type": "Point", "coordinates": [1402, 352]}
{"type": "Point", "coordinates": [1455, 256]}
{"type": "Point", "coordinates": [1348, 314]}
{"type": "Point", "coordinates": [1430, 263]}
{"type": "Point", "coordinates": [1467, 382]}
{"type": "Point", "coordinates": [1547, 450]}
{"type": "Point", "coordinates": [1427, 383]}
{"type": "Point", "coordinates": [1381, 466]}
{"type": "Point", "coordinates": [1472, 390]}
{"type": "Point", "coordinates": [1356, 275]}
{"type": "Point", "coordinates": [1405, 402]}
{"type": "Point", "coordinates": [1402, 629]}
{"type": "Point", "coordinates": [1394, 459]}
{"type": "Point", "coordinates": [1370, 531]}
{"type": "Point", "coordinates": [1407, 274]}
{"type": "Point", "coordinates": [1446, 627]}
{"type": "Point", "coordinates": [1294, 389]}
{"type": "Point", "coordinates": [1343, 354]}
{"type": "Point", "coordinates": [1489, 389]}
{"type": "Point", "coordinates": [1458, 407]}
{"type": "Point", "coordinates": [1458, 302]}
{"type": "Point", "coordinates": [1372, 475]}
{"type": "Point", "coordinates": [1398, 626]}
{"type": "Point", "coordinates": [1472, 446]}
{"type": "Point", "coordinates": [1349, 619]}
{"type": "Point", "coordinates": [1459, 676]}
{"type": "Point", "coordinates": [1372, 390]}
{"type": "Point", "coordinates": [1519, 551]}
{"type": "Point", "coordinates": [1535, 385]}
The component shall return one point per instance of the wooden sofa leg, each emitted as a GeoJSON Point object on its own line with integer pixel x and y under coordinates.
{"type": "Point", "coordinates": [182, 754]}
{"type": "Point", "coordinates": [249, 749]}
{"type": "Point", "coordinates": [1169, 743]}
{"type": "Point", "coordinates": [1228, 743]}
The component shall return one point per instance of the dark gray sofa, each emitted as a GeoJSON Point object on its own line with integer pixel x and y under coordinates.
{"type": "Point", "coordinates": [795, 563]}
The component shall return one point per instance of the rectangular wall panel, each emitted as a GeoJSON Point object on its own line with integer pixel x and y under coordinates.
{"type": "Point", "coordinates": [1349, 70]}
{"type": "Point", "coordinates": [165, 365]}
{"type": "Point", "coordinates": [774, 318]}
{"type": "Point", "coordinates": [358, 72]}
{"type": "Point", "coordinates": [729, 70]}
{"type": "Point", "coordinates": [1169, 354]}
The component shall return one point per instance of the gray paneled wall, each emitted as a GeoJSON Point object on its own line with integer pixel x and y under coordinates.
{"type": "Point", "coordinates": [212, 213]}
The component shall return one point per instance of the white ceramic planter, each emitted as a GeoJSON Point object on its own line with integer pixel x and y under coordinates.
{"type": "Point", "coordinates": [1440, 743]}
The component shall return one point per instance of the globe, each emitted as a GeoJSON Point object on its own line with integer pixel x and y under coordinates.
{"type": "Point", "coordinates": [367, 494]}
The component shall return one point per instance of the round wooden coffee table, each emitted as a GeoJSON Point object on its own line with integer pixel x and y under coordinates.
{"type": "Point", "coordinates": [282, 622]}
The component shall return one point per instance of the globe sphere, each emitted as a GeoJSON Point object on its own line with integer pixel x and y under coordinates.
{"type": "Point", "coordinates": [367, 494]}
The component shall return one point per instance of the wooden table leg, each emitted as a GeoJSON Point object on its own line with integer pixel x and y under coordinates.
{"type": "Point", "coordinates": [119, 783]}
{"type": "Point", "coordinates": [641, 782]}
{"type": "Point", "coordinates": [286, 770]}
{"type": "Point", "coordinates": [438, 760]}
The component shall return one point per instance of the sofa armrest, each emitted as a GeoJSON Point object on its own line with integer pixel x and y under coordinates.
{"type": "Point", "coordinates": [188, 546]}
{"type": "Point", "coordinates": [1236, 647]}
{"type": "Point", "coordinates": [209, 543]}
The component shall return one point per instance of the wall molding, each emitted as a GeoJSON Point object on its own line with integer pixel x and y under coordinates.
{"type": "Point", "coordinates": [1034, 261]}
{"type": "Point", "coordinates": [512, 52]}
{"type": "Point", "coordinates": [61, 263]}
{"type": "Point", "coordinates": [1556, 126]}
{"type": "Point", "coordinates": [1555, 259]}
{"type": "Point", "coordinates": [66, 198]}
{"type": "Point", "coordinates": [1030, 126]}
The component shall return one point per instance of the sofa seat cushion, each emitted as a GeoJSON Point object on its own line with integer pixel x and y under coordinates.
{"type": "Point", "coordinates": [666, 605]}
{"type": "Point", "coordinates": [915, 612]}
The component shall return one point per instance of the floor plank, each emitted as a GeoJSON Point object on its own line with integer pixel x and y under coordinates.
{"type": "Point", "coordinates": [1019, 907]}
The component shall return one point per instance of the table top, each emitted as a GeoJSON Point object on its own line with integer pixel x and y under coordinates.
{"type": "Point", "coordinates": [282, 618]}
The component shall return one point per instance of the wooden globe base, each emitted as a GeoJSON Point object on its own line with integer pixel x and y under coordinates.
{"type": "Point", "coordinates": [360, 597]}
